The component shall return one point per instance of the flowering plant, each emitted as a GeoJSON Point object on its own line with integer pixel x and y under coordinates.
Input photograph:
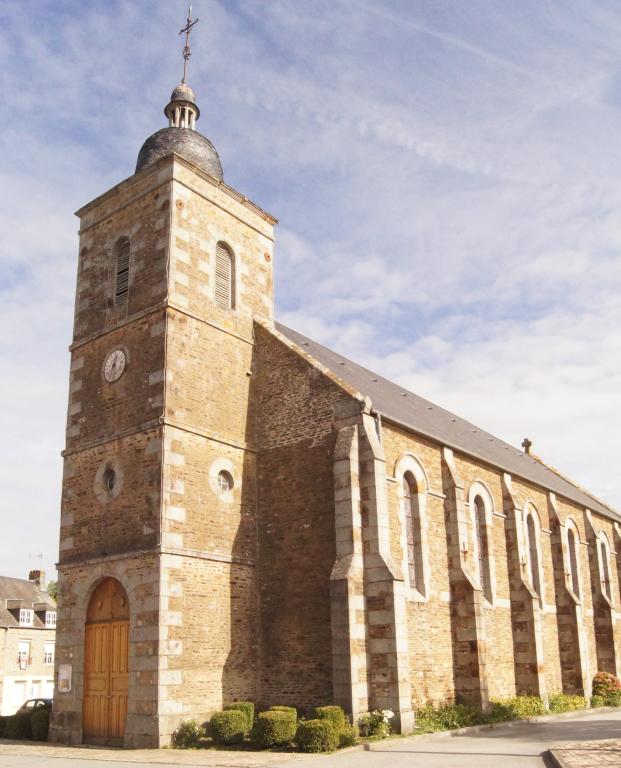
{"type": "Point", "coordinates": [376, 723]}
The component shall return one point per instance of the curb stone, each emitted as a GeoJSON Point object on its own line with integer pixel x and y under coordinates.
{"type": "Point", "coordinates": [556, 761]}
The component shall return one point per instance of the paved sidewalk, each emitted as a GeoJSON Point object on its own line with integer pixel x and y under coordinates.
{"type": "Point", "coordinates": [587, 754]}
{"type": "Point", "coordinates": [56, 754]}
{"type": "Point", "coordinates": [580, 739]}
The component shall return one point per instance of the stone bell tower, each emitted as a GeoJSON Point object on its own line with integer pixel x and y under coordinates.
{"type": "Point", "coordinates": [157, 581]}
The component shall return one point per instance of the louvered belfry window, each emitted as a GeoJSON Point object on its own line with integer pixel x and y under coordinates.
{"type": "Point", "coordinates": [224, 291]}
{"type": "Point", "coordinates": [121, 285]}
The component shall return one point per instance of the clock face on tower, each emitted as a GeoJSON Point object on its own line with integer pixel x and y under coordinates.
{"type": "Point", "coordinates": [114, 365]}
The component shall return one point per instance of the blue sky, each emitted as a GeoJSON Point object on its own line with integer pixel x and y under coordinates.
{"type": "Point", "coordinates": [447, 176]}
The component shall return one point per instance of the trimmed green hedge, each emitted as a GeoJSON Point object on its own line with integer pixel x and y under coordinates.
{"type": "Point", "coordinates": [40, 724]}
{"type": "Point", "coordinates": [281, 708]}
{"type": "Point", "coordinates": [228, 727]}
{"type": "Point", "coordinates": [247, 707]}
{"type": "Point", "coordinates": [18, 727]}
{"type": "Point", "coordinates": [186, 735]}
{"type": "Point", "coordinates": [274, 728]}
{"type": "Point", "coordinates": [317, 736]}
{"type": "Point", "coordinates": [333, 714]}
{"type": "Point", "coordinates": [348, 736]}
{"type": "Point", "coordinates": [562, 702]}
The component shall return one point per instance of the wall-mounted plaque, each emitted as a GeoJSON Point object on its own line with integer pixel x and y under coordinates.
{"type": "Point", "coordinates": [64, 678]}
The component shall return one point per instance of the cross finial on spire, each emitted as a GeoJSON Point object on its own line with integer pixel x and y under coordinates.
{"type": "Point", "coordinates": [186, 49]}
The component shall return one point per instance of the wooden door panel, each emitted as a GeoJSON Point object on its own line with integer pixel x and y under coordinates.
{"type": "Point", "coordinates": [106, 681]}
{"type": "Point", "coordinates": [96, 680]}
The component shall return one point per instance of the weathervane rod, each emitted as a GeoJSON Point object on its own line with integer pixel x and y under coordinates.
{"type": "Point", "coordinates": [186, 50]}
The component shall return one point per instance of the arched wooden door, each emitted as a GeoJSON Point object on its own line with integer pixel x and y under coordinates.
{"type": "Point", "coordinates": [106, 657]}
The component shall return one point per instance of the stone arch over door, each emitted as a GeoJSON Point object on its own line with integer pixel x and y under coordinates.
{"type": "Point", "coordinates": [106, 665]}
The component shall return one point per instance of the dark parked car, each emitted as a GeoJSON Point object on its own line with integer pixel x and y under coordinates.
{"type": "Point", "coordinates": [31, 704]}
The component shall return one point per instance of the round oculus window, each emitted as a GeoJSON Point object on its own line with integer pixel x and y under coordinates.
{"type": "Point", "coordinates": [225, 481]}
{"type": "Point", "coordinates": [109, 480]}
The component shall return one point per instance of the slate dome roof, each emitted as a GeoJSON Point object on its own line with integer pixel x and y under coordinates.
{"type": "Point", "coordinates": [189, 144]}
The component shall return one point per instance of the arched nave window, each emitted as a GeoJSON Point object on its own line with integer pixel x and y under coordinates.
{"type": "Point", "coordinates": [481, 515]}
{"type": "Point", "coordinates": [482, 545]}
{"type": "Point", "coordinates": [533, 529]}
{"type": "Point", "coordinates": [573, 541]}
{"type": "Point", "coordinates": [412, 492]}
{"type": "Point", "coordinates": [604, 561]}
{"type": "Point", "coordinates": [413, 532]}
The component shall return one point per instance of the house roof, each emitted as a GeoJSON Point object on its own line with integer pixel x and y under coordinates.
{"type": "Point", "coordinates": [29, 593]}
{"type": "Point", "coordinates": [400, 406]}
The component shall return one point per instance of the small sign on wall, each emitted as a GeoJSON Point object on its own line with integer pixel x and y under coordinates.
{"type": "Point", "coordinates": [64, 678]}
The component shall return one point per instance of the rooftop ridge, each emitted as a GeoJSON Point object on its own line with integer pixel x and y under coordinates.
{"type": "Point", "coordinates": [420, 416]}
{"type": "Point", "coordinates": [573, 482]}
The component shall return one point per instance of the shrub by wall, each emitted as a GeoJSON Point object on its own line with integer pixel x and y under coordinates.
{"type": "Point", "coordinates": [447, 717]}
{"type": "Point", "coordinates": [348, 736]}
{"type": "Point", "coordinates": [281, 708]}
{"type": "Point", "coordinates": [376, 723]}
{"type": "Point", "coordinates": [247, 707]}
{"type": "Point", "coordinates": [274, 728]}
{"type": "Point", "coordinates": [316, 736]}
{"type": "Point", "coordinates": [516, 708]}
{"type": "Point", "coordinates": [562, 702]}
{"type": "Point", "coordinates": [334, 714]}
{"type": "Point", "coordinates": [18, 727]}
{"type": "Point", "coordinates": [228, 727]}
{"type": "Point", "coordinates": [40, 724]}
{"type": "Point", "coordinates": [605, 684]}
{"type": "Point", "coordinates": [186, 735]}
{"type": "Point", "coordinates": [3, 720]}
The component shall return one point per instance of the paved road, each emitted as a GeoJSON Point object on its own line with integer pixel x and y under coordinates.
{"type": "Point", "coordinates": [515, 746]}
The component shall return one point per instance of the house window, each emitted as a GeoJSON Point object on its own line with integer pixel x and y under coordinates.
{"type": "Point", "coordinates": [121, 283]}
{"type": "Point", "coordinates": [26, 617]}
{"type": "Point", "coordinates": [533, 555]}
{"type": "Point", "coordinates": [224, 293]}
{"type": "Point", "coordinates": [50, 618]}
{"type": "Point", "coordinates": [605, 565]}
{"type": "Point", "coordinates": [482, 547]}
{"type": "Point", "coordinates": [23, 654]}
{"type": "Point", "coordinates": [413, 533]}
{"type": "Point", "coordinates": [573, 561]}
{"type": "Point", "coordinates": [48, 654]}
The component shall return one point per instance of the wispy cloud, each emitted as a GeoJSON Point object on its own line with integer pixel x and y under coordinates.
{"type": "Point", "coordinates": [447, 183]}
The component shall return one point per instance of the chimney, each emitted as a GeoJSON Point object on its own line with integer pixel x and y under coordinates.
{"type": "Point", "coordinates": [38, 577]}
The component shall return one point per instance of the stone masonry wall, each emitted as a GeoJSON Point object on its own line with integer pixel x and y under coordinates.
{"type": "Point", "coordinates": [560, 625]}
{"type": "Point", "coordinates": [295, 525]}
{"type": "Point", "coordinates": [429, 634]}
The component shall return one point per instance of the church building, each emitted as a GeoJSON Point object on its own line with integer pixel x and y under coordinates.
{"type": "Point", "coordinates": [247, 515]}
